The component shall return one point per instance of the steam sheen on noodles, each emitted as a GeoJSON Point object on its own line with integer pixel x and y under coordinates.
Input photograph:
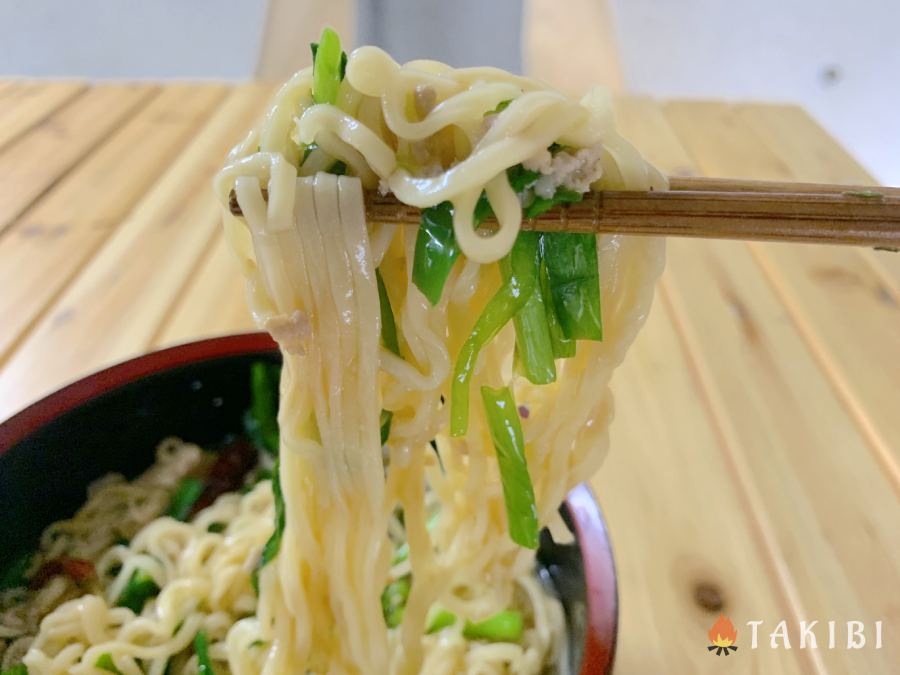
{"type": "Point", "coordinates": [452, 141]}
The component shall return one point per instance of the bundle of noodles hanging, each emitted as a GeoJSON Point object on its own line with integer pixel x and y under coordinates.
{"type": "Point", "coordinates": [443, 386]}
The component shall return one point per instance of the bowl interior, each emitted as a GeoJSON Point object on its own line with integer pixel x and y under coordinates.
{"type": "Point", "coordinates": [112, 422]}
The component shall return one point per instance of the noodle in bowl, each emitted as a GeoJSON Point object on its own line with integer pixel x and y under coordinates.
{"type": "Point", "coordinates": [199, 390]}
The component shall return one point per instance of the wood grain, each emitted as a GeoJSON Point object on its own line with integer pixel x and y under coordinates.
{"type": "Point", "coordinates": [39, 158]}
{"type": "Point", "coordinates": [214, 302]}
{"type": "Point", "coordinates": [27, 103]}
{"type": "Point", "coordinates": [789, 133]}
{"type": "Point", "coordinates": [115, 306]}
{"type": "Point", "coordinates": [831, 507]}
{"type": "Point", "coordinates": [586, 23]}
{"type": "Point", "coordinates": [674, 465]}
{"type": "Point", "coordinates": [841, 304]}
{"type": "Point", "coordinates": [49, 244]}
{"type": "Point", "coordinates": [678, 528]}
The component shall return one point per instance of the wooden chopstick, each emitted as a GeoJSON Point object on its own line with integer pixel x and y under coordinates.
{"type": "Point", "coordinates": [712, 208]}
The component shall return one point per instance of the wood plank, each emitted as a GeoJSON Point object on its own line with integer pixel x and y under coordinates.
{"type": "Point", "coordinates": [679, 531]}
{"type": "Point", "coordinates": [116, 305]}
{"type": "Point", "coordinates": [832, 508]}
{"type": "Point", "coordinates": [836, 509]}
{"type": "Point", "coordinates": [214, 302]}
{"type": "Point", "coordinates": [791, 134]}
{"type": "Point", "coordinates": [641, 120]}
{"type": "Point", "coordinates": [846, 312]}
{"type": "Point", "coordinates": [33, 163]}
{"type": "Point", "coordinates": [706, 127]}
{"type": "Point", "coordinates": [887, 265]}
{"type": "Point", "coordinates": [798, 140]}
{"type": "Point", "coordinates": [48, 245]}
{"type": "Point", "coordinates": [679, 459]}
{"type": "Point", "coordinates": [25, 103]}
{"type": "Point", "coordinates": [586, 23]}
{"type": "Point", "coordinates": [850, 322]}
{"type": "Point", "coordinates": [783, 143]}
{"type": "Point", "coordinates": [7, 86]}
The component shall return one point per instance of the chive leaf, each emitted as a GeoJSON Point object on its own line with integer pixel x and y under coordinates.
{"type": "Point", "coordinates": [388, 325]}
{"type": "Point", "coordinates": [439, 619]}
{"type": "Point", "coordinates": [261, 419]}
{"type": "Point", "coordinates": [503, 306]}
{"type": "Point", "coordinates": [505, 626]}
{"type": "Point", "coordinates": [327, 67]}
{"type": "Point", "coordinates": [386, 418]}
{"type": "Point", "coordinates": [436, 251]}
{"type": "Point", "coordinates": [201, 648]}
{"type": "Point", "coordinates": [140, 588]}
{"type": "Point", "coordinates": [105, 662]}
{"type": "Point", "coordinates": [185, 496]}
{"type": "Point", "coordinates": [509, 444]}
{"type": "Point", "coordinates": [393, 600]}
{"type": "Point", "coordinates": [534, 346]}
{"type": "Point", "coordinates": [573, 277]}
{"type": "Point", "coordinates": [270, 550]}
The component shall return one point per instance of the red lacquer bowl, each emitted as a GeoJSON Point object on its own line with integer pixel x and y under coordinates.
{"type": "Point", "coordinates": [113, 419]}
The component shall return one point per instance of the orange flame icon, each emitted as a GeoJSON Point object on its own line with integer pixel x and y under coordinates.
{"type": "Point", "coordinates": [722, 635]}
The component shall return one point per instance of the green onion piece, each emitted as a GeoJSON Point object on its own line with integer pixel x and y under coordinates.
{"type": "Point", "coordinates": [307, 151]}
{"type": "Point", "coordinates": [509, 444]}
{"type": "Point", "coordinates": [185, 496]}
{"type": "Point", "coordinates": [140, 588]}
{"type": "Point", "coordinates": [574, 280]}
{"type": "Point", "coordinates": [327, 69]}
{"type": "Point", "coordinates": [261, 419]}
{"type": "Point", "coordinates": [105, 662]}
{"type": "Point", "coordinates": [563, 347]}
{"type": "Point", "coordinates": [386, 417]}
{"type": "Point", "coordinates": [509, 299]}
{"type": "Point", "coordinates": [389, 338]}
{"type": "Point", "coordinates": [201, 648]}
{"type": "Point", "coordinates": [216, 528]}
{"type": "Point", "coordinates": [393, 600]}
{"type": "Point", "coordinates": [270, 550]}
{"type": "Point", "coordinates": [338, 168]}
{"type": "Point", "coordinates": [14, 574]}
{"type": "Point", "coordinates": [534, 346]}
{"type": "Point", "coordinates": [555, 148]}
{"type": "Point", "coordinates": [503, 105]}
{"type": "Point", "coordinates": [388, 326]}
{"type": "Point", "coordinates": [436, 251]}
{"type": "Point", "coordinates": [520, 178]}
{"type": "Point", "coordinates": [18, 669]}
{"type": "Point", "coordinates": [505, 626]}
{"type": "Point", "coordinates": [539, 205]}
{"type": "Point", "coordinates": [483, 209]}
{"type": "Point", "coordinates": [439, 619]}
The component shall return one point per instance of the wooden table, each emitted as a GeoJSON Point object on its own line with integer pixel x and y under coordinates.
{"type": "Point", "coordinates": [756, 453]}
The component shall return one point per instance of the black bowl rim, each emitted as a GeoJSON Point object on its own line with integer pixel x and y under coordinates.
{"type": "Point", "coordinates": [599, 567]}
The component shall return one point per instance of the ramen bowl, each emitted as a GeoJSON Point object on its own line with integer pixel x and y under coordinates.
{"type": "Point", "coordinates": [112, 421]}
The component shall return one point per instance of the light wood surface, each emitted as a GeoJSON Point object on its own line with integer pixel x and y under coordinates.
{"type": "Point", "coordinates": [754, 462]}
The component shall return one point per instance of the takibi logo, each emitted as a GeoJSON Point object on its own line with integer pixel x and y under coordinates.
{"type": "Point", "coordinates": [722, 635]}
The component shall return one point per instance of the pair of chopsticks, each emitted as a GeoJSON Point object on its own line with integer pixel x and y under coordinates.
{"type": "Point", "coordinates": [712, 208]}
